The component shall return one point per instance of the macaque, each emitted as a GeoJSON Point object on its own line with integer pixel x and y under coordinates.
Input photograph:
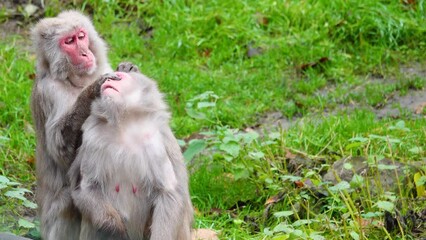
{"type": "Point", "coordinates": [129, 179]}
{"type": "Point", "coordinates": [71, 63]}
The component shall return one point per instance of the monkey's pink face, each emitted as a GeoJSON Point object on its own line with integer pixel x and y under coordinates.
{"type": "Point", "coordinates": [76, 46]}
{"type": "Point", "coordinates": [125, 89]}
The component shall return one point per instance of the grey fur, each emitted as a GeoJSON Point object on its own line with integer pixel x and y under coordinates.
{"type": "Point", "coordinates": [152, 199]}
{"type": "Point", "coordinates": [60, 103]}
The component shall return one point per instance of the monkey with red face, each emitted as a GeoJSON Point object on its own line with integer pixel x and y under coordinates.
{"type": "Point", "coordinates": [71, 67]}
{"type": "Point", "coordinates": [129, 179]}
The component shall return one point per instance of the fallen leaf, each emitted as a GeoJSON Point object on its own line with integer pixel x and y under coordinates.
{"type": "Point", "coordinates": [204, 234]}
{"type": "Point", "coordinates": [31, 160]}
{"type": "Point", "coordinates": [306, 66]}
{"type": "Point", "coordinates": [274, 199]}
{"type": "Point", "coordinates": [262, 19]}
{"type": "Point", "coordinates": [299, 184]}
{"type": "Point", "coordinates": [420, 108]}
{"type": "Point", "coordinates": [289, 155]}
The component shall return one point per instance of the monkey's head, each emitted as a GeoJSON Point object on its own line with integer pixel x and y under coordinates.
{"type": "Point", "coordinates": [68, 45]}
{"type": "Point", "coordinates": [134, 93]}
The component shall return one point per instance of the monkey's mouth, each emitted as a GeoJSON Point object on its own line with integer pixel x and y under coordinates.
{"type": "Point", "coordinates": [106, 86]}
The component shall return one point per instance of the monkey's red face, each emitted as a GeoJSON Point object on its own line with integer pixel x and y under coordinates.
{"type": "Point", "coordinates": [125, 89]}
{"type": "Point", "coordinates": [76, 46]}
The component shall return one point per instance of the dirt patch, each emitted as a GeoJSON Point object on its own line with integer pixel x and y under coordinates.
{"type": "Point", "coordinates": [18, 16]}
{"type": "Point", "coordinates": [412, 102]}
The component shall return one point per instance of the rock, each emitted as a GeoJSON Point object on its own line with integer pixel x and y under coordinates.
{"type": "Point", "coordinates": [204, 234]}
{"type": "Point", "coordinates": [9, 236]}
{"type": "Point", "coordinates": [388, 170]}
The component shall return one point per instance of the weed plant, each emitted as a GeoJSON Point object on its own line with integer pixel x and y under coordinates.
{"type": "Point", "coordinates": [329, 67]}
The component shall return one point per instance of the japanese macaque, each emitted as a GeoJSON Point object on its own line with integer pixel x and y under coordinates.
{"type": "Point", "coordinates": [129, 179]}
{"type": "Point", "coordinates": [71, 60]}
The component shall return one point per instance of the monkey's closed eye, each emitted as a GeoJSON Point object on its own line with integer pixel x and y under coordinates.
{"type": "Point", "coordinates": [69, 40]}
{"type": "Point", "coordinates": [81, 35]}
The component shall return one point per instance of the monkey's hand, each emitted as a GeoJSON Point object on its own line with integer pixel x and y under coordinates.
{"type": "Point", "coordinates": [127, 67]}
{"type": "Point", "coordinates": [72, 122]}
{"type": "Point", "coordinates": [94, 90]}
{"type": "Point", "coordinates": [110, 220]}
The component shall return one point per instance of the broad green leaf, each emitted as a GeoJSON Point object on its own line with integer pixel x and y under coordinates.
{"type": "Point", "coordinates": [250, 137]}
{"type": "Point", "coordinates": [291, 178]}
{"type": "Point", "coordinates": [343, 185]}
{"type": "Point", "coordinates": [302, 222]}
{"type": "Point", "coordinates": [267, 231]}
{"type": "Point", "coordinates": [347, 166]}
{"type": "Point", "coordinates": [274, 135]}
{"type": "Point", "coordinates": [400, 125]}
{"type": "Point", "coordinates": [282, 227]}
{"type": "Point", "coordinates": [241, 173]}
{"type": "Point", "coordinates": [385, 138]}
{"type": "Point", "coordinates": [416, 150]}
{"type": "Point", "coordinates": [206, 104]}
{"type": "Point", "coordinates": [25, 223]}
{"type": "Point", "coordinates": [420, 182]}
{"type": "Point", "coordinates": [194, 147]}
{"type": "Point", "coordinates": [4, 179]}
{"type": "Point", "coordinates": [283, 214]}
{"type": "Point", "coordinates": [256, 155]}
{"type": "Point", "coordinates": [354, 235]}
{"type": "Point", "coordinates": [15, 194]}
{"type": "Point", "coordinates": [357, 180]}
{"type": "Point", "coordinates": [181, 142]}
{"type": "Point", "coordinates": [316, 236]}
{"type": "Point", "coordinates": [358, 139]}
{"type": "Point", "coordinates": [230, 138]}
{"type": "Point", "coordinates": [385, 205]}
{"type": "Point", "coordinates": [29, 204]}
{"type": "Point", "coordinates": [354, 145]}
{"type": "Point", "coordinates": [238, 221]}
{"type": "Point", "coordinates": [195, 114]}
{"type": "Point", "coordinates": [281, 237]}
{"type": "Point", "coordinates": [372, 214]}
{"type": "Point", "coordinates": [386, 167]}
{"type": "Point", "coordinates": [232, 148]}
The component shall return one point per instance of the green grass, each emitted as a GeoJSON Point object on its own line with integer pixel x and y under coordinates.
{"type": "Point", "coordinates": [200, 46]}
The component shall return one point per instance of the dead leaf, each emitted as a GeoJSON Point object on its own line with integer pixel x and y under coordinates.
{"type": "Point", "coordinates": [31, 160]}
{"type": "Point", "coordinates": [289, 155]}
{"type": "Point", "coordinates": [204, 234]}
{"type": "Point", "coordinates": [299, 184]}
{"type": "Point", "coordinates": [420, 108]}
{"type": "Point", "coordinates": [409, 2]}
{"type": "Point", "coordinates": [306, 66]}
{"type": "Point", "coordinates": [274, 199]}
{"type": "Point", "coordinates": [262, 19]}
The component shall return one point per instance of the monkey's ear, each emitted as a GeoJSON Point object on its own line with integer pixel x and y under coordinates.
{"type": "Point", "coordinates": [47, 28]}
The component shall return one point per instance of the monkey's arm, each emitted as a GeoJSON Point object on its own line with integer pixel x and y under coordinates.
{"type": "Point", "coordinates": [178, 218]}
{"type": "Point", "coordinates": [89, 199]}
{"type": "Point", "coordinates": [64, 135]}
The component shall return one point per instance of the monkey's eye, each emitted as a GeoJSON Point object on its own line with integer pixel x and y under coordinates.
{"type": "Point", "coordinates": [69, 40]}
{"type": "Point", "coordinates": [81, 35]}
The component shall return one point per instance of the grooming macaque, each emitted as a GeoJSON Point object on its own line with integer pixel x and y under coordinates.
{"type": "Point", "coordinates": [129, 179]}
{"type": "Point", "coordinates": [71, 58]}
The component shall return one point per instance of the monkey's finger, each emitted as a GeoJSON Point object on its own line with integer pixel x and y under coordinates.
{"type": "Point", "coordinates": [127, 67]}
{"type": "Point", "coordinates": [111, 76]}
